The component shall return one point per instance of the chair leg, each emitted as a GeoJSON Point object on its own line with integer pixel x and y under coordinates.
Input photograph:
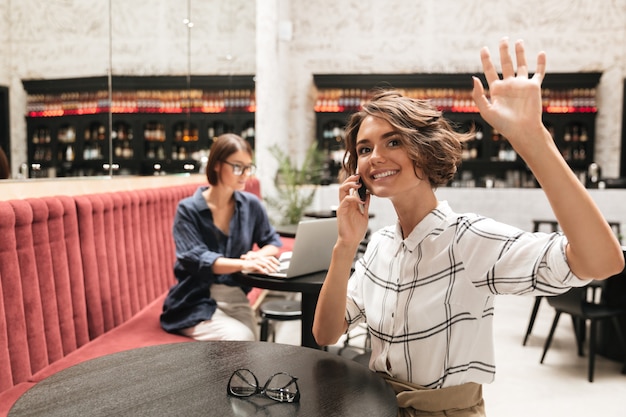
{"type": "Point", "coordinates": [549, 339]}
{"type": "Point", "coordinates": [592, 347]}
{"type": "Point", "coordinates": [265, 324]}
{"type": "Point", "coordinates": [620, 338]}
{"type": "Point", "coordinates": [579, 332]}
{"type": "Point", "coordinates": [533, 316]}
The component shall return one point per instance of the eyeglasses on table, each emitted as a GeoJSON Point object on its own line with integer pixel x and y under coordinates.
{"type": "Point", "coordinates": [280, 387]}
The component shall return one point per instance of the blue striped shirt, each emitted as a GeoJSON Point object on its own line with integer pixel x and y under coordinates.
{"type": "Point", "coordinates": [199, 242]}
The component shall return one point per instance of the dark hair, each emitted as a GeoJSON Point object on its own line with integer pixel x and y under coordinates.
{"type": "Point", "coordinates": [224, 146]}
{"type": "Point", "coordinates": [429, 139]}
{"type": "Point", "coordinates": [5, 170]}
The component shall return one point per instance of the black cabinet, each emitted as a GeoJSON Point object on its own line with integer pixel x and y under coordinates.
{"type": "Point", "coordinates": [5, 130]}
{"type": "Point", "coordinates": [156, 124]}
{"type": "Point", "coordinates": [488, 160]}
{"type": "Point", "coordinates": [623, 156]}
{"type": "Point", "coordinates": [68, 145]}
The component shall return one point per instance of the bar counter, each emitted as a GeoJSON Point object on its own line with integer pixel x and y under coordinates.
{"type": "Point", "coordinates": [18, 189]}
{"type": "Point", "coordinates": [515, 206]}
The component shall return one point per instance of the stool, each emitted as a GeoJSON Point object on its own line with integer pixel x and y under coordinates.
{"type": "Point", "coordinates": [280, 310]}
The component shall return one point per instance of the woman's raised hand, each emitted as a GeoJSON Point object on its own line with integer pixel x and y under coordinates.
{"type": "Point", "coordinates": [514, 107]}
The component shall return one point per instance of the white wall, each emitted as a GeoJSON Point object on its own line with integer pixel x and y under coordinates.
{"type": "Point", "coordinates": [69, 38]}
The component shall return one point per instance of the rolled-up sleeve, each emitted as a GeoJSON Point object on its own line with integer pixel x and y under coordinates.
{"type": "Point", "coordinates": [191, 250]}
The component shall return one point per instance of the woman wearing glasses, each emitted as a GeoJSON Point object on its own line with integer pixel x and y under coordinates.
{"type": "Point", "coordinates": [214, 232]}
{"type": "Point", "coordinates": [426, 286]}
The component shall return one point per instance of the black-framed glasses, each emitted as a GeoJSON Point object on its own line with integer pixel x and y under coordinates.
{"type": "Point", "coordinates": [280, 387]}
{"type": "Point", "coordinates": [239, 169]}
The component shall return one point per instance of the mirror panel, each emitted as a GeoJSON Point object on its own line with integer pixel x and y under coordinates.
{"type": "Point", "coordinates": [47, 43]}
{"type": "Point", "coordinates": [118, 39]}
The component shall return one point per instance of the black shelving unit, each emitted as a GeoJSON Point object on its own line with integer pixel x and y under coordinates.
{"type": "Point", "coordinates": [569, 113]}
{"type": "Point", "coordinates": [5, 123]}
{"type": "Point", "coordinates": [159, 124]}
{"type": "Point", "coordinates": [623, 156]}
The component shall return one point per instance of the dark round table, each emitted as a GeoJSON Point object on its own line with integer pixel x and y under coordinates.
{"type": "Point", "coordinates": [309, 285]}
{"type": "Point", "coordinates": [190, 379]}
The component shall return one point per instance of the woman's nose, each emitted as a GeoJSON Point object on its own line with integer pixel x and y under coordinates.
{"type": "Point", "coordinates": [376, 155]}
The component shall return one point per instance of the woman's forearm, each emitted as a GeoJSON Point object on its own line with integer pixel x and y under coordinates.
{"type": "Point", "coordinates": [330, 322]}
{"type": "Point", "coordinates": [593, 250]}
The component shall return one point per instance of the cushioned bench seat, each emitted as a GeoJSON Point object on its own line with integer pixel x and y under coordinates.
{"type": "Point", "coordinates": [82, 277]}
{"type": "Point", "coordinates": [141, 330]}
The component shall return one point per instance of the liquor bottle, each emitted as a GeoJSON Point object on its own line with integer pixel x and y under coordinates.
{"type": "Point", "coordinates": [69, 153]}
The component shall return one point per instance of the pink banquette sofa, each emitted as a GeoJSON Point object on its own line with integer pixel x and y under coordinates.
{"type": "Point", "coordinates": [81, 277]}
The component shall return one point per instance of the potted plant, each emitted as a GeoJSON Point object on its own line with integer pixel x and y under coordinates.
{"type": "Point", "coordinates": [295, 186]}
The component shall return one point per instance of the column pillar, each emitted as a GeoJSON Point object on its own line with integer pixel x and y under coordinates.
{"type": "Point", "coordinates": [272, 93]}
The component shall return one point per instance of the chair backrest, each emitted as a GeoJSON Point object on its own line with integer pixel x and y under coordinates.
{"type": "Point", "coordinates": [542, 225]}
{"type": "Point", "coordinates": [253, 185]}
{"type": "Point", "coordinates": [614, 293]}
{"type": "Point", "coordinates": [570, 302]}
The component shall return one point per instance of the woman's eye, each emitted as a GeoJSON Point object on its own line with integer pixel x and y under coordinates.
{"type": "Point", "coordinates": [394, 143]}
{"type": "Point", "coordinates": [362, 150]}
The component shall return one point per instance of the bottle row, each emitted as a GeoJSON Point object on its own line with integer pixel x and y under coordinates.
{"type": "Point", "coordinates": [140, 144]}
{"type": "Point", "coordinates": [336, 100]}
{"type": "Point", "coordinates": [571, 139]}
{"type": "Point", "coordinates": [501, 150]}
{"type": "Point", "coordinates": [142, 101]}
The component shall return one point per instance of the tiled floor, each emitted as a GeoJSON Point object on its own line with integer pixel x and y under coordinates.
{"type": "Point", "coordinates": [523, 387]}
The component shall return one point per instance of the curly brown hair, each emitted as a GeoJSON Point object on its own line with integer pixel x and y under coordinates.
{"type": "Point", "coordinates": [429, 139]}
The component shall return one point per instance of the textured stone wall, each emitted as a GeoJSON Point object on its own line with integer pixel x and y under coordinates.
{"type": "Point", "coordinates": [70, 38]}
{"type": "Point", "coordinates": [397, 36]}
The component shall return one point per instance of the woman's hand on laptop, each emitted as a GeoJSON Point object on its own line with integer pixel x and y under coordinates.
{"type": "Point", "coordinates": [253, 262]}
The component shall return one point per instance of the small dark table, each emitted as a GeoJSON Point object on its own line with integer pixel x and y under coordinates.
{"type": "Point", "coordinates": [287, 230]}
{"type": "Point", "coordinates": [326, 214]}
{"type": "Point", "coordinates": [190, 379]}
{"type": "Point", "coordinates": [309, 285]}
{"type": "Point", "coordinates": [321, 214]}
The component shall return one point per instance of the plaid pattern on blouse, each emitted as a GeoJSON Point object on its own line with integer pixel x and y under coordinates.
{"type": "Point", "coordinates": [428, 299]}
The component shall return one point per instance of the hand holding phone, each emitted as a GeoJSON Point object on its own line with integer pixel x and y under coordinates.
{"type": "Point", "coordinates": [362, 190]}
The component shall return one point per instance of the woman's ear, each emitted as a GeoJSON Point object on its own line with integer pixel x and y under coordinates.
{"type": "Point", "coordinates": [217, 168]}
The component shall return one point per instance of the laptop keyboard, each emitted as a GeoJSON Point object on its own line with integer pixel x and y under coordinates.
{"type": "Point", "coordinates": [284, 266]}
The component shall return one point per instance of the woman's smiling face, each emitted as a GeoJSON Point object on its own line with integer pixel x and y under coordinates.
{"type": "Point", "coordinates": [383, 161]}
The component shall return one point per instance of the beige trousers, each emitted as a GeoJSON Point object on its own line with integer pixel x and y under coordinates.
{"type": "Point", "coordinates": [233, 319]}
{"type": "Point", "coordinates": [461, 401]}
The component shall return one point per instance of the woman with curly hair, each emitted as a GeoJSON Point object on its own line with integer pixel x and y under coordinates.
{"type": "Point", "coordinates": [425, 286]}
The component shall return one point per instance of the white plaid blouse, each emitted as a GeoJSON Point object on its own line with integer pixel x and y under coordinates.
{"type": "Point", "coordinates": [428, 299]}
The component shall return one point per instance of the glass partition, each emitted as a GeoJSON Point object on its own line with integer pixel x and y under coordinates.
{"type": "Point", "coordinates": [166, 52]}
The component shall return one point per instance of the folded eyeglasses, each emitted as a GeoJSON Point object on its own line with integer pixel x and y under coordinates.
{"type": "Point", "coordinates": [280, 387]}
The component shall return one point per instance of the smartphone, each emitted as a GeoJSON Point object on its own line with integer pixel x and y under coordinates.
{"type": "Point", "coordinates": [362, 190]}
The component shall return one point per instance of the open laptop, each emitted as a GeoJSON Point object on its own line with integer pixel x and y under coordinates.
{"type": "Point", "coordinates": [312, 249]}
